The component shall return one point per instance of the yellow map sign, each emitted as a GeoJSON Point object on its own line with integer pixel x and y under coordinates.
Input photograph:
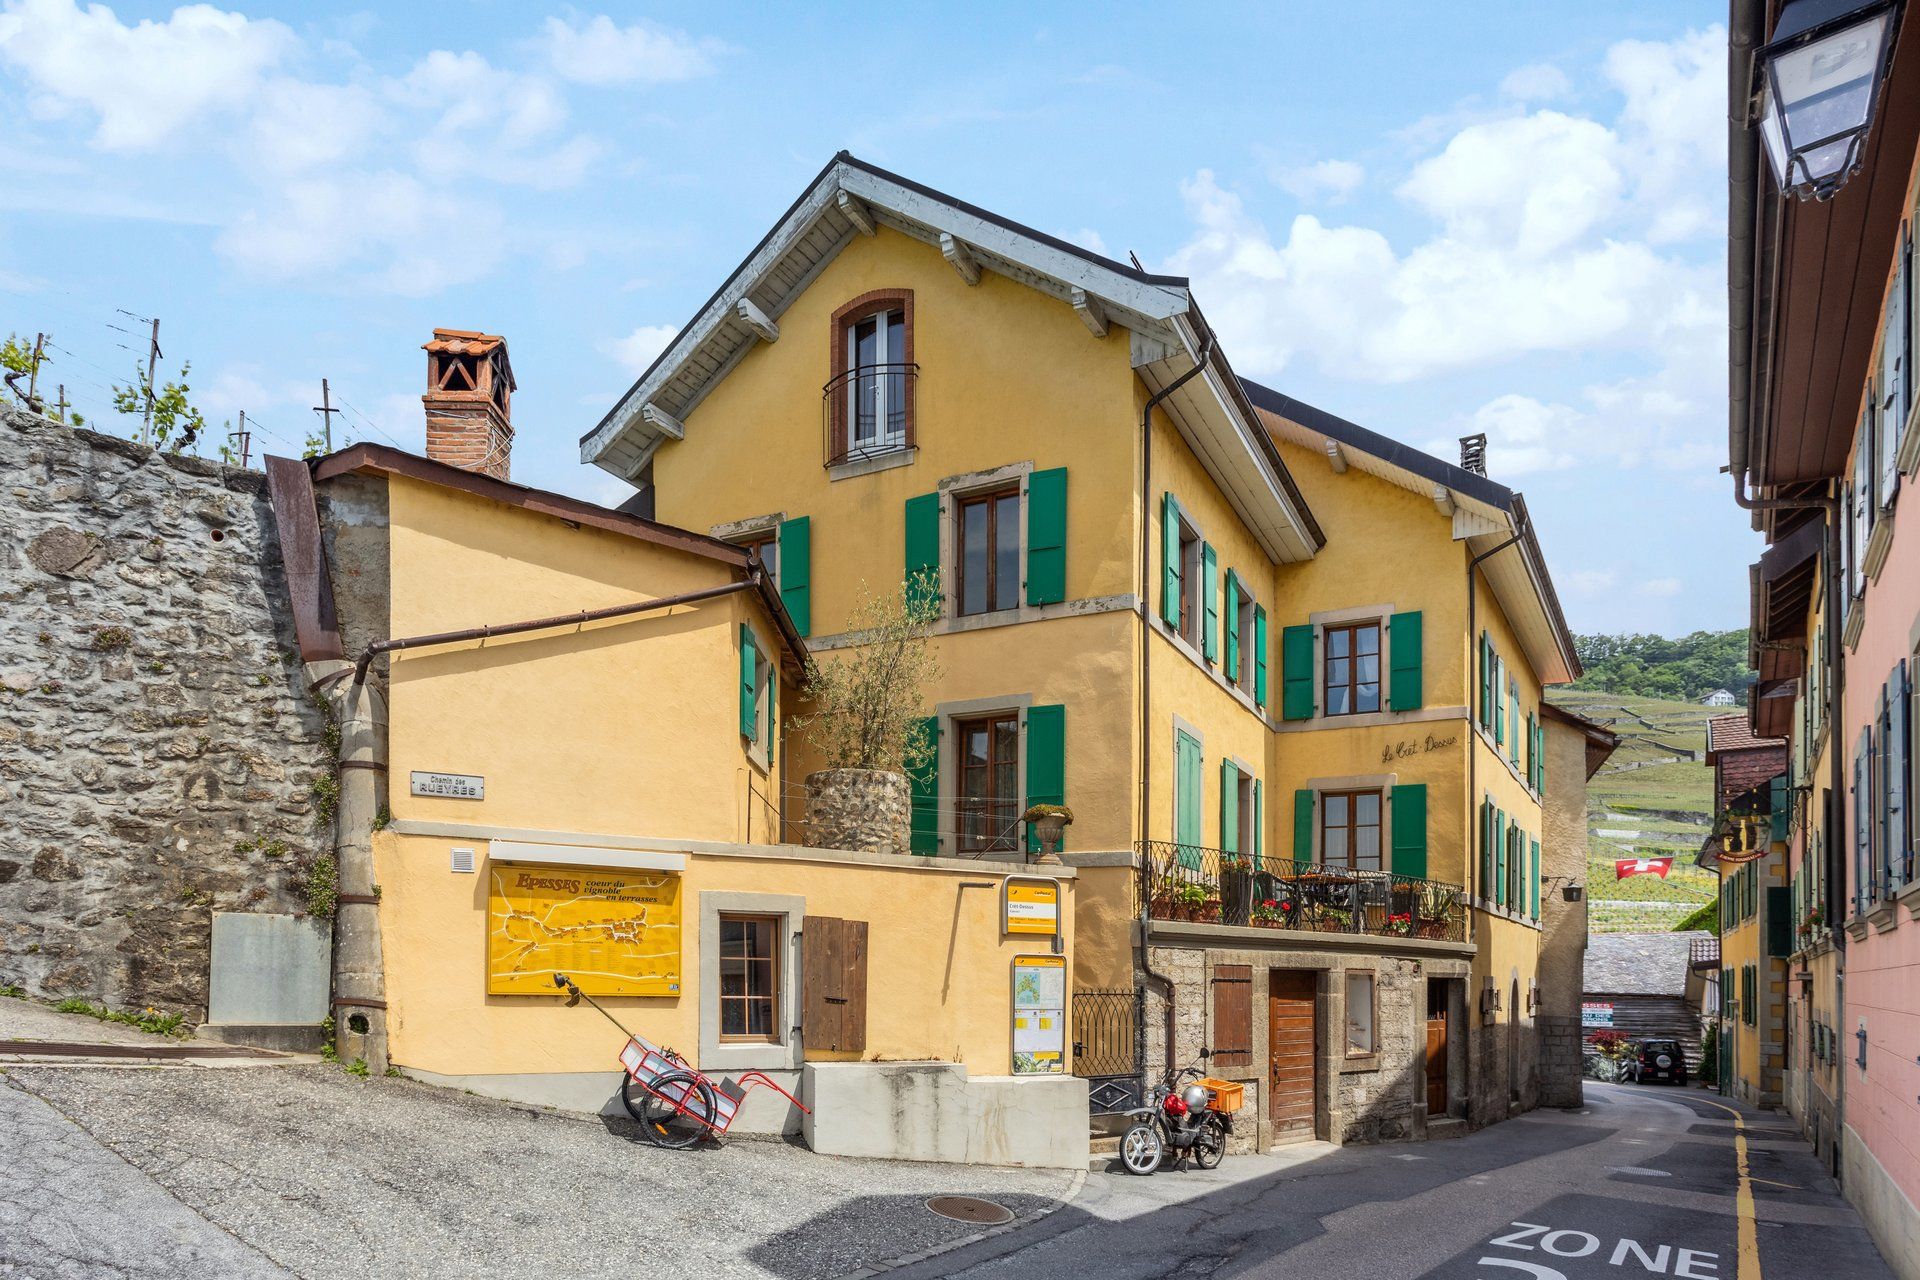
{"type": "Point", "coordinates": [616, 933]}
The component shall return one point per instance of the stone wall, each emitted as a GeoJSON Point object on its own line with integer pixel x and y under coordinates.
{"type": "Point", "coordinates": [158, 756]}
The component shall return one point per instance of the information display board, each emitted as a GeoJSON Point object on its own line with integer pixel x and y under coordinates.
{"type": "Point", "coordinates": [616, 933]}
{"type": "Point", "coordinates": [1031, 905]}
{"type": "Point", "coordinates": [1596, 1013]}
{"type": "Point", "coordinates": [1039, 1015]}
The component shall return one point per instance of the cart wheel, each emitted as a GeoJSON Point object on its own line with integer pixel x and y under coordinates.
{"type": "Point", "coordinates": [665, 1124]}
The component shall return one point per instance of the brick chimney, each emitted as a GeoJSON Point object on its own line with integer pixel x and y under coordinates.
{"type": "Point", "coordinates": [469, 401]}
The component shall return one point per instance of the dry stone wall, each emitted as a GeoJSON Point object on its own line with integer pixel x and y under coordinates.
{"type": "Point", "coordinates": [158, 756]}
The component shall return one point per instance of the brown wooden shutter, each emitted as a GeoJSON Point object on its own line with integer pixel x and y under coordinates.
{"type": "Point", "coordinates": [1232, 1015]}
{"type": "Point", "coordinates": [833, 992]}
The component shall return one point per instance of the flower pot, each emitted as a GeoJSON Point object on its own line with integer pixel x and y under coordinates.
{"type": "Point", "coordinates": [866, 810]}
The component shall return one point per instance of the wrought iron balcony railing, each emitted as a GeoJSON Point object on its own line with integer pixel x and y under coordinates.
{"type": "Point", "coordinates": [864, 412]}
{"type": "Point", "coordinates": [1189, 882]}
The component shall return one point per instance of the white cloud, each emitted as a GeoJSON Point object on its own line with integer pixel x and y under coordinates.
{"type": "Point", "coordinates": [1538, 82]}
{"type": "Point", "coordinates": [637, 350]}
{"type": "Point", "coordinates": [1330, 180]}
{"type": "Point", "coordinates": [1523, 435]}
{"type": "Point", "coordinates": [490, 123]}
{"type": "Point", "coordinates": [387, 229]}
{"type": "Point", "coordinates": [1592, 582]}
{"type": "Point", "coordinates": [1533, 183]}
{"type": "Point", "coordinates": [142, 83]}
{"type": "Point", "coordinates": [1088, 238]}
{"type": "Point", "coordinates": [602, 53]}
{"type": "Point", "coordinates": [294, 125]}
{"type": "Point", "coordinates": [1662, 588]}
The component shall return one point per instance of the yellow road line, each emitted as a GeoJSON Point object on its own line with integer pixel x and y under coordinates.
{"type": "Point", "coordinates": [1743, 1199]}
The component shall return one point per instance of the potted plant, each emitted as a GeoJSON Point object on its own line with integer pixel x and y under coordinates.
{"type": "Point", "coordinates": [1268, 915]}
{"type": "Point", "coordinates": [1334, 920]}
{"type": "Point", "coordinates": [865, 723]}
{"type": "Point", "coordinates": [1048, 821]}
{"type": "Point", "coordinates": [1188, 899]}
{"type": "Point", "coordinates": [1236, 888]}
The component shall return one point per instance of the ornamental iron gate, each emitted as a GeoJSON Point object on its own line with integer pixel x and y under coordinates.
{"type": "Point", "coordinates": [1106, 1049]}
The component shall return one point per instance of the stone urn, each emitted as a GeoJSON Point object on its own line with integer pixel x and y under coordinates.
{"type": "Point", "coordinates": [1049, 823]}
{"type": "Point", "coordinates": [866, 810]}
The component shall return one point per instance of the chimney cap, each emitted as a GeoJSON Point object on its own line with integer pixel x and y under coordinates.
{"type": "Point", "coordinates": [471, 342]}
{"type": "Point", "coordinates": [1473, 453]}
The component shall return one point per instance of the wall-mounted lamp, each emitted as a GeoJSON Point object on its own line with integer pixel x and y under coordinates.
{"type": "Point", "coordinates": [1820, 78]}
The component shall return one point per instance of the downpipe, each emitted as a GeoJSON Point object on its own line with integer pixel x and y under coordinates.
{"type": "Point", "coordinates": [1146, 692]}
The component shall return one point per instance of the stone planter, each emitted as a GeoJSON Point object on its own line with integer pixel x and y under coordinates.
{"type": "Point", "coordinates": [869, 810]}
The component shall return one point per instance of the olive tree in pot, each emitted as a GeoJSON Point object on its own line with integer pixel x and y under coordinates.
{"type": "Point", "coordinates": [866, 724]}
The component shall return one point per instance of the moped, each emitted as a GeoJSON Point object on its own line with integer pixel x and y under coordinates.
{"type": "Point", "coordinates": [1185, 1113]}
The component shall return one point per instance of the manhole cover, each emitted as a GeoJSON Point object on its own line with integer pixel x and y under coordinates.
{"type": "Point", "coordinates": [971, 1209]}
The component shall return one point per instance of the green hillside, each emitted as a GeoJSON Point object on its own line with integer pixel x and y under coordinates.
{"type": "Point", "coordinates": [1653, 798]}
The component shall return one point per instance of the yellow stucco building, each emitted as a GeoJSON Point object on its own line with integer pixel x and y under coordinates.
{"type": "Point", "coordinates": [1286, 672]}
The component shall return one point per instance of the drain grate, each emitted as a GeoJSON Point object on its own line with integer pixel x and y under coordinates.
{"type": "Point", "coordinates": [972, 1209]}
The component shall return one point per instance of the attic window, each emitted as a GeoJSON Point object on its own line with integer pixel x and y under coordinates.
{"type": "Point", "coordinates": [869, 395]}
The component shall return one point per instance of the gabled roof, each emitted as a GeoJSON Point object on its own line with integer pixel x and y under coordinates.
{"type": "Point", "coordinates": [381, 460]}
{"type": "Point", "coordinates": [1735, 733]}
{"type": "Point", "coordinates": [1644, 964]}
{"type": "Point", "coordinates": [1485, 514]}
{"type": "Point", "coordinates": [850, 198]}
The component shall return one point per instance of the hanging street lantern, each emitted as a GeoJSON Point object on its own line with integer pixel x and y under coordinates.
{"type": "Point", "coordinates": [1820, 79]}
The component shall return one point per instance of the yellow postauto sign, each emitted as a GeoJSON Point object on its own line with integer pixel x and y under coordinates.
{"type": "Point", "coordinates": [616, 933]}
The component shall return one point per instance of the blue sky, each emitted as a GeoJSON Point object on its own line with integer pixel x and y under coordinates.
{"type": "Point", "coordinates": [1430, 219]}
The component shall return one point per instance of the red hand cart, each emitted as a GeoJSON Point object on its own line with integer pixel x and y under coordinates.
{"type": "Point", "coordinates": [674, 1104]}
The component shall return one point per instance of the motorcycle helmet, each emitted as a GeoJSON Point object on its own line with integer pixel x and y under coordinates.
{"type": "Point", "coordinates": [1197, 1096]}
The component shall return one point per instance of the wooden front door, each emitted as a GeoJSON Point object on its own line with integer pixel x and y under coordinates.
{"type": "Point", "coordinates": [1291, 1040]}
{"type": "Point", "coordinates": [1436, 1048]}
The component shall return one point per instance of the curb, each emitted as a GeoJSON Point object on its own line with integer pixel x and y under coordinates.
{"type": "Point", "coordinates": [909, 1259]}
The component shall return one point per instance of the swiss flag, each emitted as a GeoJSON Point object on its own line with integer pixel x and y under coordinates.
{"type": "Point", "coordinates": [1624, 867]}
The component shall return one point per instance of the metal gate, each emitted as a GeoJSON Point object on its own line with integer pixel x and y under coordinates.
{"type": "Point", "coordinates": [1106, 1047]}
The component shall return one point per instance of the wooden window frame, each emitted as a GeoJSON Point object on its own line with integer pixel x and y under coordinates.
{"type": "Point", "coordinates": [775, 925]}
{"type": "Point", "coordinates": [991, 498]}
{"type": "Point", "coordinates": [1353, 682]}
{"type": "Point", "coordinates": [759, 542]}
{"type": "Point", "coordinates": [1353, 826]}
{"type": "Point", "coordinates": [1243, 634]}
{"type": "Point", "coordinates": [849, 314]}
{"type": "Point", "coordinates": [961, 726]}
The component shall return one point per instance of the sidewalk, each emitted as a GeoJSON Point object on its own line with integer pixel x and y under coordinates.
{"type": "Point", "coordinates": [323, 1173]}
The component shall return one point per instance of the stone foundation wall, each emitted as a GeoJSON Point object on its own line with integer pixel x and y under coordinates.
{"type": "Point", "coordinates": [158, 756]}
{"type": "Point", "coordinates": [1560, 1062]}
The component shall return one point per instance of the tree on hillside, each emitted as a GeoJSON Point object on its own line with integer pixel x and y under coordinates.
{"type": "Point", "coordinates": [1648, 666]}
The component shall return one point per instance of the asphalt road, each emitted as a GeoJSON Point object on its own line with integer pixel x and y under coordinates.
{"type": "Point", "coordinates": [1643, 1182]}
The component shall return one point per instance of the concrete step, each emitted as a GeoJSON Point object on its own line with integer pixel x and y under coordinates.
{"type": "Point", "coordinates": [1445, 1127]}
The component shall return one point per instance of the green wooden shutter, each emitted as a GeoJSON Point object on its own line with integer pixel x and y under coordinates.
{"type": "Point", "coordinates": [1486, 849]}
{"type": "Point", "coordinates": [1499, 703]}
{"type": "Point", "coordinates": [1296, 673]}
{"type": "Point", "coordinates": [1260, 654]}
{"type": "Point", "coordinates": [1046, 761]}
{"type": "Point", "coordinates": [1529, 745]}
{"type": "Point", "coordinates": [1405, 644]}
{"type": "Point", "coordinates": [1187, 784]}
{"type": "Point", "coordinates": [1500, 857]}
{"type": "Point", "coordinates": [1533, 877]}
{"type": "Point", "coordinates": [1209, 603]}
{"type": "Point", "coordinates": [1779, 921]}
{"type": "Point", "coordinates": [1259, 822]}
{"type": "Point", "coordinates": [1229, 807]}
{"type": "Point", "coordinates": [923, 547]}
{"type": "Point", "coordinates": [924, 793]}
{"type": "Point", "coordinates": [1779, 794]}
{"type": "Point", "coordinates": [796, 571]}
{"type": "Point", "coordinates": [1540, 757]}
{"type": "Point", "coordinates": [1486, 681]}
{"type": "Point", "coordinates": [749, 685]}
{"type": "Point", "coordinates": [773, 720]}
{"type": "Point", "coordinates": [1233, 626]}
{"type": "Point", "coordinates": [1170, 560]}
{"type": "Point", "coordinates": [1410, 830]}
{"type": "Point", "coordinates": [1303, 827]}
{"type": "Point", "coordinates": [1047, 536]}
{"type": "Point", "coordinates": [1513, 722]}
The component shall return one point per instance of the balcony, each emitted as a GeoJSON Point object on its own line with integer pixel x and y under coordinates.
{"type": "Point", "coordinates": [866, 413]}
{"type": "Point", "coordinates": [1183, 882]}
